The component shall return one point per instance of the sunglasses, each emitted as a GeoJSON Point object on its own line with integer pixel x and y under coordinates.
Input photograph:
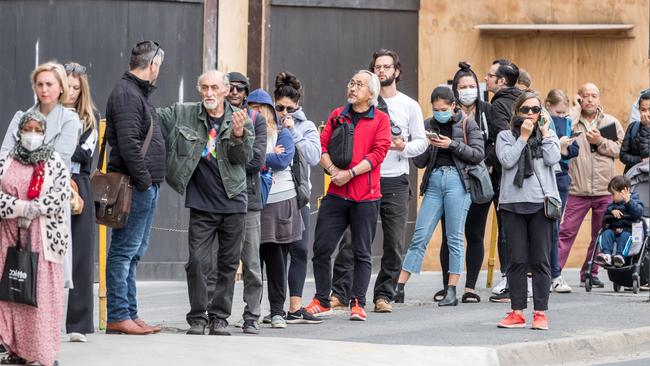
{"type": "Point", "coordinates": [280, 108]}
{"type": "Point", "coordinates": [238, 88]}
{"type": "Point", "coordinates": [526, 110]}
{"type": "Point", "coordinates": [78, 69]}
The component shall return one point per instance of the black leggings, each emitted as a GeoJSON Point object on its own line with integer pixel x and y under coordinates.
{"type": "Point", "coordinates": [474, 253]}
{"type": "Point", "coordinates": [273, 257]}
{"type": "Point", "coordinates": [298, 250]}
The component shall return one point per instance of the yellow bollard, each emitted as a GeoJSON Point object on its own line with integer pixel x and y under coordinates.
{"type": "Point", "coordinates": [102, 250]}
{"type": "Point", "coordinates": [491, 253]}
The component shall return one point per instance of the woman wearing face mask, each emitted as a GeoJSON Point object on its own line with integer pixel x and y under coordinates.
{"type": "Point", "coordinates": [465, 88]}
{"type": "Point", "coordinates": [50, 84]}
{"type": "Point", "coordinates": [79, 320]}
{"type": "Point", "coordinates": [528, 153]}
{"type": "Point", "coordinates": [445, 187]}
{"type": "Point", "coordinates": [34, 194]}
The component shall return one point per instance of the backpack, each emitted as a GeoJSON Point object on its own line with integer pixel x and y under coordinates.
{"type": "Point", "coordinates": [341, 143]}
{"type": "Point", "coordinates": [300, 175]}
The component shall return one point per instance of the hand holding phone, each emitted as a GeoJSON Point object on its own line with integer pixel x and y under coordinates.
{"type": "Point", "coordinates": [432, 135]}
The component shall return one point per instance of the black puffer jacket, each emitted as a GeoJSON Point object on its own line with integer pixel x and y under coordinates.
{"type": "Point", "coordinates": [499, 120]}
{"type": "Point", "coordinates": [635, 148]}
{"type": "Point", "coordinates": [463, 154]}
{"type": "Point", "coordinates": [128, 117]}
{"type": "Point", "coordinates": [254, 166]}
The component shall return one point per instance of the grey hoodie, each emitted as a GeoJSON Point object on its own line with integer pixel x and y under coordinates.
{"type": "Point", "coordinates": [306, 138]}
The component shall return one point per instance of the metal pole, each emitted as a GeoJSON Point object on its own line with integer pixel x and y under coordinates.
{"type": "Point", "coordinates": [102, 250]}
{"type": "Point", "coordinates": [493, 244]}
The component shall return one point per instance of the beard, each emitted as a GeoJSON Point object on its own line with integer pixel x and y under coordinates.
{"type": "Point", "coordinates": [210, 105]}
{"type": "Point", "coordinates": [388, 81]}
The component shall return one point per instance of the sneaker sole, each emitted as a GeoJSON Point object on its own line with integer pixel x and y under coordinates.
{"type": "Point", "coordinates": [251, 331]}
{"type": "Point", "coordinates": [324, 313]}
{"type": "Point", "coordinates": [191, 332]}
{"type": "Point", "coordinates": [539, 328]}
{"type": "Point", "coordinates": [278, 326]}
{"type": "Point", "coordinates": [514, 326]}
{"type": "Point", "coordinates": [303, 321]}
{"type": "Point", "coordinates": [383, 311]}
{"type": "Point", "coordinates": [220, 333]}
{"type": "Point", "coordinates": [357, 318]}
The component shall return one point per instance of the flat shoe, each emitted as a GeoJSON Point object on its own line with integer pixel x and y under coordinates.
{"type": "Point", "coordinates": [470, 297]}
{"type": "Point", "coordinates": [10, 359]}
{"type": "Point", "coordinates": [440, 295]}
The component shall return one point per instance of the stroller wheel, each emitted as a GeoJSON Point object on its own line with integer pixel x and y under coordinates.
{"type": "Point", "coordinates": [617, 287]}
{"type": "Point", "coordinates": [588, 284]}
{"type": "Point", "coordinates": [635, 283]}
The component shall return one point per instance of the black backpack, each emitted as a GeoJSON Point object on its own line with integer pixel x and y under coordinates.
{"type": "Point", "coordinates": [341, 143]}
{"type": "Point", "coordinates": [300, 175]}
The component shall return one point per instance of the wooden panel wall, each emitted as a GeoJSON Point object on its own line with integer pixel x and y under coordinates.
{"type": "Point", "coordinates": [619, 66]}
{"type": "Point", "coordinates": [232, 49]}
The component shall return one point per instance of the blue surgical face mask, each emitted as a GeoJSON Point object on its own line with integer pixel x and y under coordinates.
{"type": "Point", "coordinates": [442, 117]}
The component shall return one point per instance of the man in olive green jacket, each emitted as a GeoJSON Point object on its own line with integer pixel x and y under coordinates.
{"type": "Point", "coordinates": [208, 146]}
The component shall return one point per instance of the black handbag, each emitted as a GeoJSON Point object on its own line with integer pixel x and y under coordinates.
{"type": "Point", "coordinates": [552, 206]}
{"type": "Point", "coordinates": [480, 183]}
{"type": "Point", "coordinates": [341, 143]}
{"type": "Point", "coordinates": [18, 283]}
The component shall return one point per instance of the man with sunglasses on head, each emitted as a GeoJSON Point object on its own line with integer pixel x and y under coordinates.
{"type": "Point", "coordinates": [250, 252]}
{"type": "Point", "coordinates": [130, 117]}
{"type": "Point", "coordinates": [408, 140]}
{"type": "Point", "coordinates": [501, 80]}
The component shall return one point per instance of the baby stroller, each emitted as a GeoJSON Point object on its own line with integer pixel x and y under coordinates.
{"type": "Point", "coordinates": [636, 270]}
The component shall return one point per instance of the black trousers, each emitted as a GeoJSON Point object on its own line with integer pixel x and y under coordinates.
{"type": "Point", "coordinates": [207, 230]}
{"type": "Point", "coordinates": [393, 210]}
{"type": "Point", "coordinates": [475, 251]}
{"type": "Point", "coordinates": [334, 216]}
{"type": "Point", "coordinates": [273, 257]}
{"type": "Point", "coordinates": [80, 299]}
{"type": "Point", "coordinates": [299, 250]}
{"type": "Point", "coordinates": [529, 246]}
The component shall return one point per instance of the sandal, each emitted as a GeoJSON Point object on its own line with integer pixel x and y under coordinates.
{"type": "Point", "coordinates": [440, 295]}
{"type": "Point", "coordinates": [470, 297]}
{"type": "Point", "coordinates": [11, 359]}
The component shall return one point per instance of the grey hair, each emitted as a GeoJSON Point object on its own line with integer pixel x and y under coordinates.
{"type": "Point", "coordinates": [144, 53]}
{"type": "Point", "coordinates": [374, 86]}
{"type": "Point", "coordinates": [226, 80]}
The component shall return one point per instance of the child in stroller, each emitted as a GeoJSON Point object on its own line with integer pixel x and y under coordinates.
{"type": "Point", "coordinates": [616, 238]}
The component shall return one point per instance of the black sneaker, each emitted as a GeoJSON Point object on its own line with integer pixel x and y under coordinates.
{"type": "Point", "coordinates": [3, 350]}
{"type": "Point", "coordinates": [595, 282]}
{"type": "Point", "coordinates": [267, 319]}
{"type": "Point", "coordinates": [301, 316]}
{"type": "Point", "coordinates": [197, 327]}
{"type": "Point", "coordinates": [219, 327]}
{"type": "Point", "coordinates": [251, 326]}
{"type": "Point", "coordinates": [502, 297]}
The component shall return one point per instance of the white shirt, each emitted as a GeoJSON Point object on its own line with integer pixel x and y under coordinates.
{"type": "Point", "coordinates": [405, 113]}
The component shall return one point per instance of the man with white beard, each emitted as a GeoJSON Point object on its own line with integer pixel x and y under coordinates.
{"type": "Point", "coordinates": [208, 145]}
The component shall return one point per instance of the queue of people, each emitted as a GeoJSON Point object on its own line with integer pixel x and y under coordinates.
{"type": "Point", "coordinates": [242, 160]}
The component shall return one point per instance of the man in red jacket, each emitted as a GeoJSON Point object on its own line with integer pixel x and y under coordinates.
{"type": "Point", "coordinates": [353, 194]}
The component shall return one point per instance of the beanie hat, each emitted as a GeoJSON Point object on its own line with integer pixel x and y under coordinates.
{"type": "Point", "coordinates": [238, 77]}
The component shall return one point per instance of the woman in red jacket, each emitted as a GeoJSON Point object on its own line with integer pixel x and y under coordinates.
{"type": "Point", "coordinates": [353, 194]}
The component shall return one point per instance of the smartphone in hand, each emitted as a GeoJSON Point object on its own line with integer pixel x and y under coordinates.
{"type": "Point", "coordinates": [432, 135]}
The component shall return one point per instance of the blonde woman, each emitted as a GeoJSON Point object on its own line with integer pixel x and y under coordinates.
{"type": "Point", "coordinates": [79, 320]}
{"type": "Point", "coordinates": [50, 84]}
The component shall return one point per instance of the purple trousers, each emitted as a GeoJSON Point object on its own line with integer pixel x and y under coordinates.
{"type": "Point", "coordinates": [574, 213]}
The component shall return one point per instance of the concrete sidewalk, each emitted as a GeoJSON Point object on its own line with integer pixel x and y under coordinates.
{"type": "Point", "coordinates": [583, 327]}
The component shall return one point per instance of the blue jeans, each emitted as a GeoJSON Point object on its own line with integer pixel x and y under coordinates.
{"type": "Point", "coordinates": [445, 194]}
{"type": "Point", "coordinates": [563, 184]}
{"type": "Point", "coordinates": [128, 246]}
{"type": "Point", "coordinates": [612, 243]}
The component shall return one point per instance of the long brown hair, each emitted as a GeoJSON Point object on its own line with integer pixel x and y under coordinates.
{"type": "Point", "coordinates": [84, 105]}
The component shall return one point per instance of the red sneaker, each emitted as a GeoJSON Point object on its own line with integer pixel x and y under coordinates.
{"type": "Point", "coordinates": [357, 312]}
{"type": "Point", "coordinates": [512, 320]}
{"type": "Point", "coordinates": [316, 309]}
{"type": "Point", "coordinates": [540, 322]}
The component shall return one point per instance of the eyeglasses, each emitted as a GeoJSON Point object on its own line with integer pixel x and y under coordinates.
{"type": "Point", "coordinates": [77, 69]}
{"type": "Point", "coordinates": [280, 108]}
{"type": "Point", "coordinates": [378, 68]}
{"type": "Point", "coordinates": [355, 84]}
{"type": "Point", "coordinates": [149, 42]}
{"type": "Point", "coordinates": [237, 88]}
{"type": "Point", "coordinates": [526, 110]}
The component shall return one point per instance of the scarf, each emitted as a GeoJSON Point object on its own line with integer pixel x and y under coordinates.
{"type": "Point", "coordinates": [533, 150]}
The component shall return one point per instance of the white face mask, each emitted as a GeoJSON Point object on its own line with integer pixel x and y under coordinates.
{"type": "Point", "coordinates": [31, 140]}
{"type": "Point", "coordinates": [468, 96]}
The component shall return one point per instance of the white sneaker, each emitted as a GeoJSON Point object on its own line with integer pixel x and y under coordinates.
{"type": "Point", "coordinates": [530, 287]}
{"type": "Point", "coordinates": [78, 337]}
{"type": "Point", "coordinates": [560, 286]}
{"type": "Point", "coordinates": [500, 286]}
{"type": "Point", "coordinates": [239, 323]}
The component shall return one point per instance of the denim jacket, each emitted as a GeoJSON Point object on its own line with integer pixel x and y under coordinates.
{"type": "Point", "coordinates": [185, 128]}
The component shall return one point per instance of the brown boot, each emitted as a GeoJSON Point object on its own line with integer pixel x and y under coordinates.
{"type": "Point", "coordinates": [383, 306]}
{"type": "Point", "coordinates": [142, 324]}
{"type": "Point", "coordinates": [335, 303]}
{"type": "Point", "coordinates": [126, 327]}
